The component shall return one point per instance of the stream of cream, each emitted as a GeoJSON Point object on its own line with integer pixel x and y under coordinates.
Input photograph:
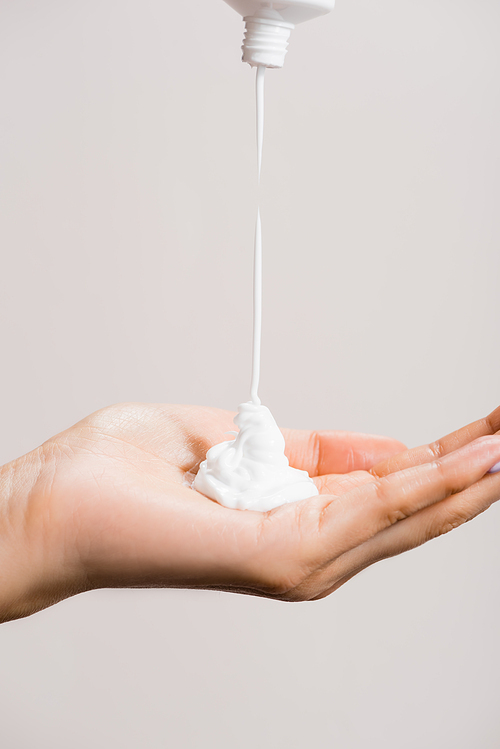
{"type": "Point", "coordinates": [251, 472]}
{"type": "Point", "coordinates": [257, 257]}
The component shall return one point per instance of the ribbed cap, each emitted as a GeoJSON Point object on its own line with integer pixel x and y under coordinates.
{"type": "Point", "coordinates": [266, 39]}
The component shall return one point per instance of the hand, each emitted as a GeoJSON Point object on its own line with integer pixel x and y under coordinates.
{"type": "Point", "coordinates": [105, 504]}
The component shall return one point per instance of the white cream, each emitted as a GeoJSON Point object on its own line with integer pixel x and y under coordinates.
{"type": "Point", "coordinates": [257, 255]}
{"type": "Point", "coordinates": [252, 472]}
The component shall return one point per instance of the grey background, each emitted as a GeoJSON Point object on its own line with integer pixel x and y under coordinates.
{"type": "Point", "coordinates": [128, 192]}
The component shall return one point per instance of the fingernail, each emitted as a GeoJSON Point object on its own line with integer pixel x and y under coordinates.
{"type": "Point", "coordinates": [495, 469]}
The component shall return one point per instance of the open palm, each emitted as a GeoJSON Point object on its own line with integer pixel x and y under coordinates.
{"type": "Point", "coordinates": [110, 506]}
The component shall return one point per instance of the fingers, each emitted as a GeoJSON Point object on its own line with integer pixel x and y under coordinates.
{"type": "Point", "coordinates": [444, 517]}
{"type": "Point", "coordinates": [321, 453]}
{"type": "Point", "coordinates": [424, 526]}
{"type": "Point", "coordinates": [484, 427]}
{"type": "Point", "coordinates": [376, 506]}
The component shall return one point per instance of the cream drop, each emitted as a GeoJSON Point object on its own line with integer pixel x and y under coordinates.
{"type": "Point", "coordinates": [251, 472]}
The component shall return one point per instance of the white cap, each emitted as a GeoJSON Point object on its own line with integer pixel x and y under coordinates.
{"type": "Point", "coordinates": [266, 39]}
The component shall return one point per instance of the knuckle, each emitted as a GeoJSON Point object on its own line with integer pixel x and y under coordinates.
{"type": "Point", "coordinates": [447, 479]}
{"type": "Point", "coordinates": [390, 514]}
{"type": "Point", "coordinates": [436, 449]}
{"type": "Point", "coordinates": [439, 467]}
{"type": "Point", "coordinates": [395, 515]}
{"type": "Point", "coordinates": [452, 523]}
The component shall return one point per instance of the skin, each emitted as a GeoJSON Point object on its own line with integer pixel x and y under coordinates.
{"type": "Point", "coordinates": [105, 504]}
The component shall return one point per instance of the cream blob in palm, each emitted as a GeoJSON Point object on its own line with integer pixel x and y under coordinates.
{"type": "Point", "coordinates": [252, 472]}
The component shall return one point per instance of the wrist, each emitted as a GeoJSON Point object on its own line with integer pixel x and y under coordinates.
{"type": "Point", "coordinates": [32, 569]}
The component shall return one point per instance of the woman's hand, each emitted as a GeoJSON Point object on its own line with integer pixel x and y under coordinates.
{"type": "Point", "coordinates": [106, 504]}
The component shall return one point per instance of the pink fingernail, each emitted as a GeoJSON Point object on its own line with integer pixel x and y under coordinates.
{"type": "Point", "coordinates": [495, 469]}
